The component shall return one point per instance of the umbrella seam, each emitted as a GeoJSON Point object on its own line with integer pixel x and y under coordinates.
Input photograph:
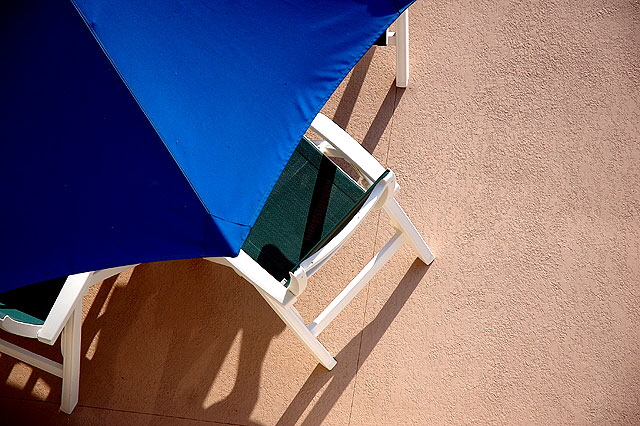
{"type": "Point", "coordinates": [151, 122]}
{"type": "Point", "coordinates": [355, 58]}
{"type": "Point", "coordinates": [324, 100]}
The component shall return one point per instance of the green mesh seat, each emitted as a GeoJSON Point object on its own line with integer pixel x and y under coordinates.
{"type": "Point", "coordinates": [31, 304]}
{"type": "Point", "coordinates": [310, 203]}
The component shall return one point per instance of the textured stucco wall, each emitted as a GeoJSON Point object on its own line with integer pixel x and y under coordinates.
{"type": "Point", "coordinates": [517, 146]}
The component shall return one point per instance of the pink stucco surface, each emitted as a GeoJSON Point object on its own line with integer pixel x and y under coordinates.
{"type": "Point", "coordinates": [517, 146]}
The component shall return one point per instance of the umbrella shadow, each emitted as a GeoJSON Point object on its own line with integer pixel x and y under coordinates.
{"type": "Point", "coordinates": [164, 337]}
{"type": "Point", "coordinates": [145, 349]}
{"type": "Point", "coordinates": [333, 383]}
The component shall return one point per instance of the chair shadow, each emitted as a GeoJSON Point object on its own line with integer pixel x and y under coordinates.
{"type": "Point", "coordinates": [338, 379]}
{"type": "Point", "coordinates": [349, 97]}
{"type": "Point", "coordinates": [170, 315]}
{"type": "Point", "coordinates": [383, 117]}
{"type": "Point", "coordinates": [26, 388]}
{"type": "Point", "coordinates": [164, 337]}
{"type": "Point", "coordinates": [352, 91]}
{"type": "Point", "coordinates": [157, 345]}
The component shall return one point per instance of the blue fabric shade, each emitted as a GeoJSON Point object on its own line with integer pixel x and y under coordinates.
{"type": "Point", "coordinates": [137, 131]}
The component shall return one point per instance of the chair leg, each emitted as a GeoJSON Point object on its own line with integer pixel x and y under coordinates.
{"type": "Point", "coordinates": [402, 49]}
{"type": "Point", "coordinates": [294, 321]}
{"type": "Point", "coordinates": [70, 342]}
{"type": "Point", "coordinates": [403, 223]}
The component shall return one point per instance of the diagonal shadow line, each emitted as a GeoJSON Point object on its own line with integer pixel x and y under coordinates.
{"type": "Point", "coordinates": [319, 206]}
{"type": "Point", "coordinates": [342, 375]}
{"type": "Point", "coordinates": [186, 360]}
{"type": "Point", "coordinates": [383, 117]}
{"type": "Point", "coordinates": [92, 323]}
{"type": "Point", "coordinates": [378, 125]}
{"type": "Point", "coordinates": [352, 91]}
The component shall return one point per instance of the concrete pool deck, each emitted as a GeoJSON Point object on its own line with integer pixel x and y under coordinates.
{"type": "Point", "coordinates": [517, 148]}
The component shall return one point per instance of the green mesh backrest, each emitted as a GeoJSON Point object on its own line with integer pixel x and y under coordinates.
{"type": "Point", "coordinates": [31, 304]}
{"type": "Point", "coordinates": [309, 201]}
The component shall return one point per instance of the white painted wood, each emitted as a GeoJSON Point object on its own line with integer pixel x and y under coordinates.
{"type": "Point", "coordinates": [19, 328]}
{"type": "Point", "coordinates": [357, 284]}
{"type": "Point", "coordinates": [294, 321]}
{"type": "Point", "coordinates": [336, 143]}
{"type": "Point", "coordinates": [298, 281]}
{"type": "Point", "coordinates": [71, 360]}
{"type": "Point", "coordinates": [249, 269]}
{"type": "Point", "coordinates": [401, 221]}
{"type": "Point", "coordinates": [220, 261]}
{"type": "Point", "coordinates": [349, 148]}
{"type": "Point", "coordinates": [69, 297]}
{"type": "Point", "coordinates": [31, 358]}
{"type": "Point", "coordinates": [401, 39]}
{"type": "Point", "coordinates": [391, 38]}
{"type": "Point", "coordinates": [66, 314]}
{"type": "Point", "coordinates": [327, 149]}
{"type": "Point", "coordinates": [71, 294]}
{"type": "Point", "coordinates": [315, 261]}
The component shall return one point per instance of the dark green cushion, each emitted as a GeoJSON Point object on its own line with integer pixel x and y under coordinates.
{"type": "Point", "coordinates": [311, 199]}
{"type": "Point", "coordinates": [32, 303]}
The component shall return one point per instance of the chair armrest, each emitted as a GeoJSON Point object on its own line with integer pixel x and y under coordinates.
{"type": "Point", "coordinates": [348, 148]}
{"type": "Point", "coordinates": [20, 328]}
{"type": "Point", "coordinates": [381, 193]}
{"type": "Point", "coordinates": [401, 40]}
{"type": "Point", "coordinates": [71, 294]}
{"type": "Point", "coordinates": [249, 269]}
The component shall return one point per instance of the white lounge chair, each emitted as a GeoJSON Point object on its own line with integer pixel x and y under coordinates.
{"type": "Point", "coordinates": [312, 211]}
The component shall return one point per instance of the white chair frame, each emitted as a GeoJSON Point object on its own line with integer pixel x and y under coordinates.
{"type": "Point", "coordinates": [400, 39]}
{"type": "Point", "coordinates": [64, 318]}
{"type": "Point", "coordinates": [336, 143]}
{"type": "Point", "coordinates": [66, 315]}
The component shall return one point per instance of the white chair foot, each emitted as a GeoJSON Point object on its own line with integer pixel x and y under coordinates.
{"type": "Point", "coordinates": [294, 321]}
{"type": "Point", "coordinates": [403, 222]}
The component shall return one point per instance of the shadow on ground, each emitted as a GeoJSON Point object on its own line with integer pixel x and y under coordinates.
{"type": "Point", "coordinates": [339, 378]}
{"type": "Point", "coordinates": [157, 345]}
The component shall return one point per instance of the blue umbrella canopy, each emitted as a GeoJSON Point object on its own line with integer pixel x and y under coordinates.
{"type": "Point", "coordinates": [137, 131]}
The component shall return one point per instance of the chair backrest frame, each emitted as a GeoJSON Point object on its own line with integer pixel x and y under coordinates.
{"type": "Point", "coordinates": [74, 288]}
{"type": "Point", "coordinates": [383, 191]}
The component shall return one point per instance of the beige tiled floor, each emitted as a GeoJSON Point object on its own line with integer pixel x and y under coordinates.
{"type": "Point", "coordinates": [517, 146]}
